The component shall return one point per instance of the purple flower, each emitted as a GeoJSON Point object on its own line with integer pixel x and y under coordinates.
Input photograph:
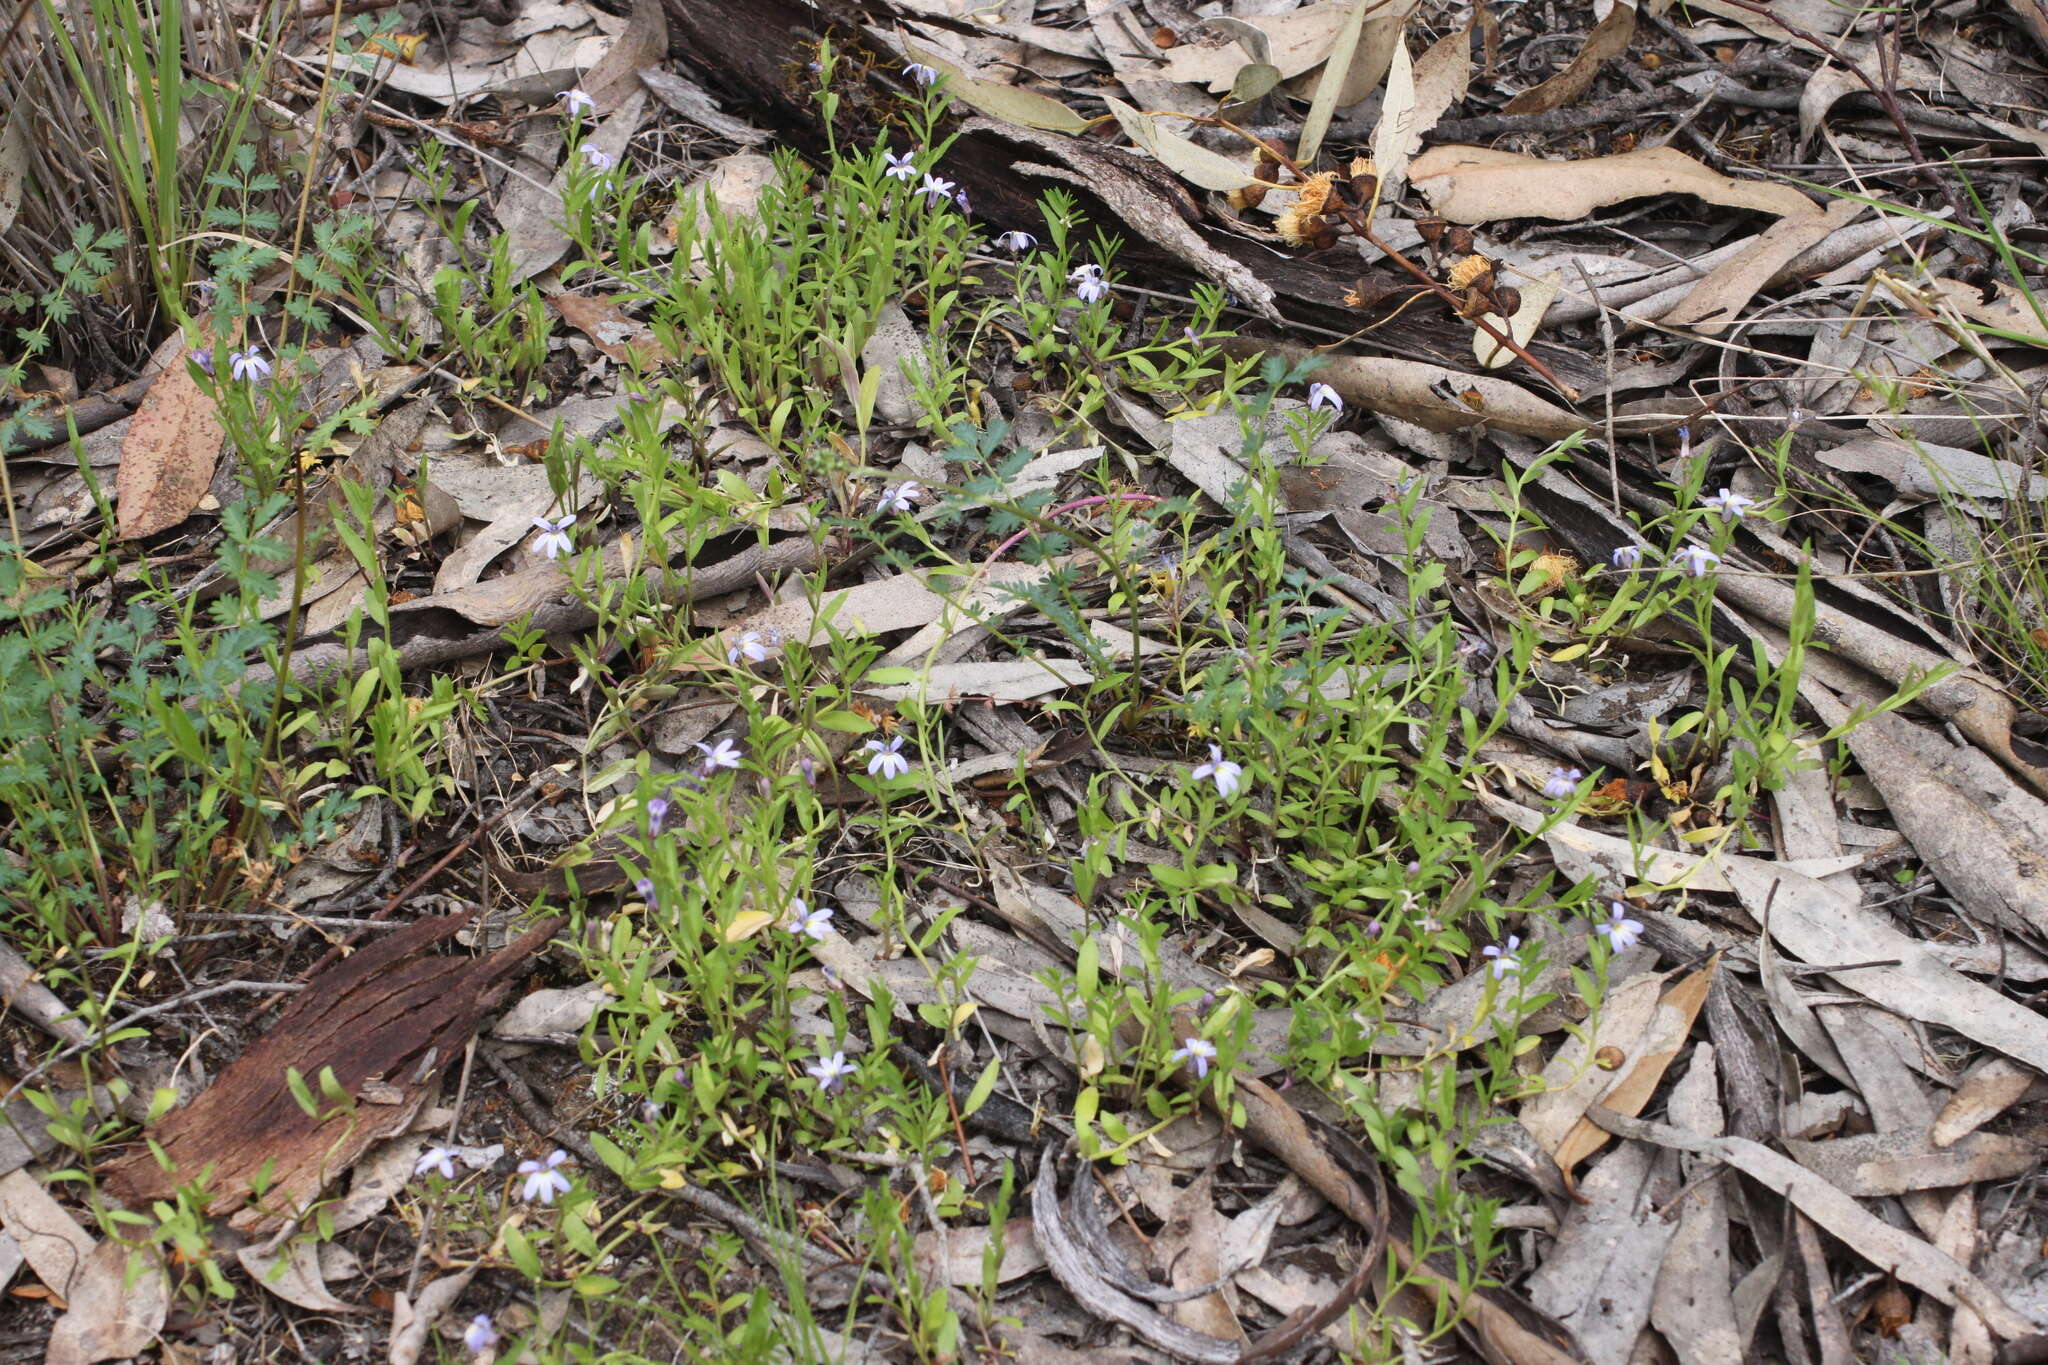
{"type": "Point", "coordinates": [1729, 504]}
{"type": "Point", "coordinates": [919, 72]}
{"type": "Point", "coordinates": [1016, 243]}
{"type": "Point", "coordinates": [480, 1336]}
{"type": "Point", "coordinates": [578, 102]}
{"type": "Point", "coordinates": [1697, 561]}
{"type": "Point", "coordinates": [902, 167]}
{"type": "Point", "coordinates": [249, 364]}
{"type": "Point", "coordinates": [936, 190]}
{"type": "Point", "coordinates": [1088, 282]}
{"type": "Point", "coordinates": [597, 158]}
{"type": "Point", "coordinates": [645, 887]}
{"type": "Point", "coordinates": [543, 1181]}
{"type": "Point", "coordinates": [1227, 776]}
{"type": "Point", "coordinates": [1323, 396]}
{"type": "Point", "coordinates": [1561, 783]}
{"type": "Point", "coordinates": [436, 1159]}
{"type": "Point", "coordinates": [725, 755]}
{"type": "Point", "coordinates": [203, 358]}
{"type": "Point", "coordinates": [887, 760]}
{"type": "Point", "coordinates": [1503, 957]}
{"type": "Point", "coordinates": [960, 201]}
{"type": "Point", "coordinates": [1200, 1051]}
{"type": "Point", "coordinates": [657, 811]}
{"type": "Point", "coordinates": [828, 1072]}
{"type": "Point", "coordinates": [1622, 932]}
{"type": "Point", "coordinates": [553, 541]}
{"type": "Point", "coordinates": [1626, 556]}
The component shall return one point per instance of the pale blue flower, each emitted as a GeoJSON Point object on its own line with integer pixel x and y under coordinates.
{"type": "Point", "coordinates": [439, 1159]}
{"type": "Point", "coordinates": [1730, 504]}
{"type": "Point", "coordinates": [553, 541]}
{"type": "Point", "coordinates": [1561, 783]}
{"type": "Point", "coordinates": [828, 1072]}
{"type": "Point", "coordinates": [902, 167]}
{"type": "Point", "coordinates": [657, 811]}
{"type": "Point", "coordinates": [725, 755]}
{"type": "Point", "coordinates": [1323, 396]}
{"type": "Point", "coordinates": [899, 497]}
{"type": "Point", "coordinates": [935, 190]}
{"type": "Point", "coordinates": [887, 760]}
{"type": "Point", "coordinates": [1088, 282]}
{"type": "Point", "coordinates": [1626, 556]}
{"type": "Point", "coordinates": [543, 1181]}
{"type": "Point", "coordinates": [1622, 932]}
{"type": "Point", "coordinates": [480, 1336]}
{"type": "Point", "coordinates": [1697, 561]}
{"type": "Point", "coordinates": [1227, 776]}
{"type": "Point", "coordinates": [749, 646]}
{"type": "Point", "coordinates": [814, 923]}
{"type": "Point", "coordinates": [1503, 957]}
{"type": "Point", "coordinates": [919, 72]}
{"type": "Point", "coordinates": [597, 158]}
{"type": "Point", "coordinates": [249, 364]}
{"type": "Point", "coordinates": [1016, 243]}
{"type": "Point", "coordinates": [578, 102]}
{"type": "Point", "coordinates": [1200, 1051]}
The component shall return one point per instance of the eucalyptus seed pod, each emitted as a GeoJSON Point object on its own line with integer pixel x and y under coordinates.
{"type": "Point", "coordinates": [1459, 241]}
{"type": "Point", "coordinates": [1507, 300]}
{"type": "Point", "coordinates": [1365, 187]}
{"type": "Point", "coordinates": [1431, 230]}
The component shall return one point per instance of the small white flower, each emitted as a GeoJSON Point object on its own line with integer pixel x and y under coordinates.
{"type": "Point", "coordinates": [726, 754]}
{"type": "Point", "coordinates": [553, 541]}
{"type": "Point", "coordinates": [249, 364]}
{"type": "Point", "coordinates": [1200, 1051]}
{"type": "Point", "coordinates": [899, 497]}
{"type": "Point", "coordinates": [1016, 243]}
{"type": "Point", "coordinates": [543, 1182]}
{"type": "Point", "coordinates": [1561, 783]}
{"type": "Point", "coordinates": [1626, 556]}
{"type": "Point", "coordinates": [1323, 396]}
{"type": "Point", "coordinates": [578, 102]}
{"type": "Point", "coordinates": [828, 1072]}
{"type": "Point", "coordinates": [1227, 776]}
{"type": "Point", "coordinates": [597, 158]}
{"type": "Point", "coordinates": [436, 1159]}
{"type": "Point", "coordinates": [1503, 957]}
{"type": "Point", "coordinates": [1622, 932]}
{"type": "Point", "coordinates": [480, 1336]}
{"type": "Point", "coordinates": [919, 72]}
{"type": "Point", "coordinates": [888, 760]}
{"type": "Point", "coordinates": [1697, 561]}
{"type": "Point", "coordinates": [935, 189]}
{"type": "Point", "coordinates": [750, 646]}
{"type": "Point", "coordinates": [1088, 282]}
{"type": "Point", "coordinates": [1730, 504]}
{"type": "Point", "coordinates": [902, 167]}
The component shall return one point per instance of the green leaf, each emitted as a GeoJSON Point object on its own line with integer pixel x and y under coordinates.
{"type": "Point", "coordinates": [846, 722]}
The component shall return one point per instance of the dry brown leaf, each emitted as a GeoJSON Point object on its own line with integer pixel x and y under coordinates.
{"type": "Point", "coordinates": [168, 458]}
{"type": "Point", "coordinates": [1438, 80]}
{"type": "Point", "coordinates": [615, 79]}
{"type": "Point", "coordinates": [1993, 1086]}
{"type": "Point", "coordinates": [1884, 1165]}
{"type": "Point", "coordinates": [1297, 42]}
{"type": "Point", "coordinates": [2006, 311]}
{"type": "Point", "coordinates": [1188, 1250]}
{"type": "Point", "coordinates": [1662, 1043]}
{"type": "Point", "coordinates": [1912, 1260]}
{"type": "Point", "coordinates": [610, 328]}
{"type": "Point", "coordinates": [293, 1274]}
{"type": "Point", "coordinates": [1693, 1305]}
{"type": "Point", "coordinates": [1609, 38]}
{"type": "Point", "coordinates": [965, 1246]}
{"type": "Point", "coordinates": [1478, 184]}
{"type": "Point", "coordinates": [1431, 395]}
{"type": "Point", "coordinates": [411, 1321]}
{"type": "Point", "coordinates": [1572, 1081]}
{"type": "Point", "coordinates": [110, 1317]}
{"type": "Point", "coordinates": [55, 1246]}
{"type": "Point", "coordinates": [1714, 302]}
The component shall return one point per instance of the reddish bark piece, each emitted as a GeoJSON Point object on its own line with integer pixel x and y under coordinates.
{"type": "Point", "coordinates": [625, 339]}
{"type": "Point", "coordinates": [387, 1020]}
{"type": "Point", "coordinates": [168, 458]}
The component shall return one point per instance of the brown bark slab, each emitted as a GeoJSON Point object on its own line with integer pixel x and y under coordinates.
{"type": "Point", "coordinates": [387, 1020]}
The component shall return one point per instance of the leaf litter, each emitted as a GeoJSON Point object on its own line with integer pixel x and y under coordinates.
{"type": "Point", "coordinates": [1679, 262]}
